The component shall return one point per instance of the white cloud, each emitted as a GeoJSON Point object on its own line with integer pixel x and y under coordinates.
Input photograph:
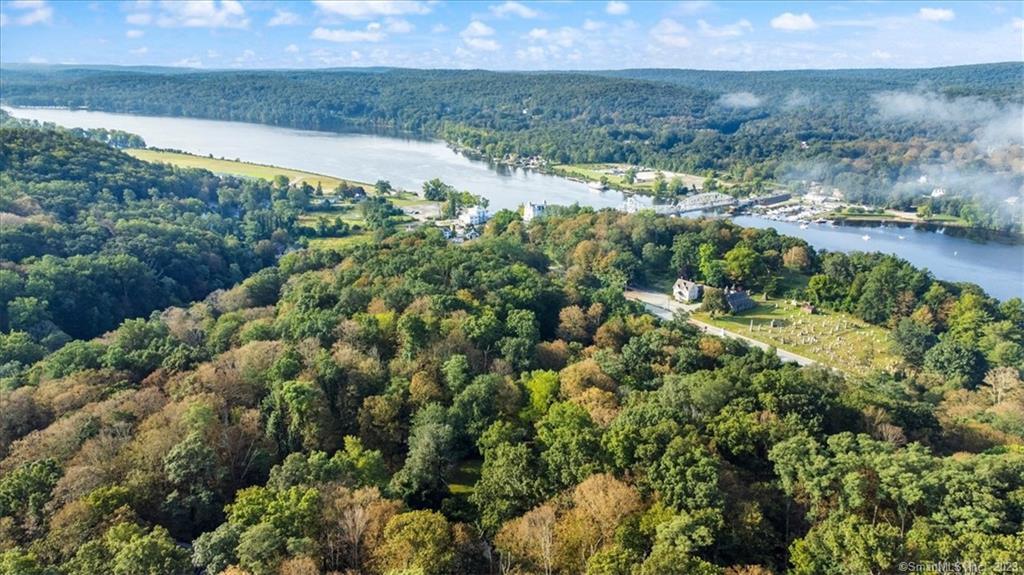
{"type": "Point", "coordinates": [881, 55]}
{"type": "Point", "coordinates": [936, 14]}
{"type": "Point", "coordinates": [245, 57]}
{"type": "Point", "coordinates": [36, 60]}
{"type": "Point", "coordinates": [360, 10]}
{"type": "Point", "coordinates": [1018, 23]}
{"type": "Point", "coordinates": [727, 31]}
{"type": "Point", "coordinates": [371, 34]}
{"type": "Point", "coordinates": [27, 13]}
{"type": "Point", "coordinates": [291, 49]}
{"type": "Point", "coordinates": [511, 8]}
{"type": "Point", "coordinates": [485, 44]}
{"type": "Point", "coordinates": [740, 100]}
{"type": "Point", "coordinates": [564, 37]}
{"type": "Point", "coordinates": [139, 19]}
{"type": "Point", "coordinates": [439, 29]}
{"type": "Point", "coordinates": [134, 34]}
{"type": "Point", "coordinates": [139, 51]}
{"type": "Point", "coordinates": [670, 33]}
{"type": "Point", "coordinates": [477, 29]}
{"type": "Point", "coordinates": [477, 36]}
{"type": "Point", "coordinates": [188, 63]}
{"type": "Point", "coordinates": [193, 14]}
{"type": "Point", "coordinates": [592, 25]}
{"type": "Point", "coordinates": [532, 53]}
{"type": "Point", "coordinates": [793, 22]}
{"type": "Point", "coordinates": [284, 18]}
{"type": "Point", "coordinates": [617, 8]}
{"type": "Point", "coordinates": [398, 26]}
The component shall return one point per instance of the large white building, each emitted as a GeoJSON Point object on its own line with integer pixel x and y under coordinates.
{"type": "Point", "coordinates": [532, 210]}
{"type": "Point", "coordinates": [474, 216]}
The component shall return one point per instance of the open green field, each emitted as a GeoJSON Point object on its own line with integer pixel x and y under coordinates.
{"type": "Point", "coordinates": [244, 169]}
{"type": "Point", "coordinates": [342, 242]}
{"type": "Point", "coordinates": [835, 339]}
{"type": "Point", "coordinates": [594, 173]}
{"type": "Point", "coordinates": [898, 217]}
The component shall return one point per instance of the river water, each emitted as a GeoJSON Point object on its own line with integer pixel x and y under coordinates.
{"type": "Point", "coordinates": [408, 162]}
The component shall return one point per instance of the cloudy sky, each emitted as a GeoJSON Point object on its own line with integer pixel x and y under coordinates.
{"type": "Point", "coordinates": [511, 34]}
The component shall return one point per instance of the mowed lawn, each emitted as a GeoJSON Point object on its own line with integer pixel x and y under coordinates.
{"type": "Point", "coordinates": [244, 169]}
{"type": "Point", "coordinates": [339, 243]}
{"type": "Point", "coordinates": [835, 339]}
{"type": "Point", "coordinates": [594, 172]}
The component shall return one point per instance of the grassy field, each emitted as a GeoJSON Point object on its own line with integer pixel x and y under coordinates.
{"type": "Point", "coordinates": [594, 173]}
{"type": "Point", "coordinates": [342, 242]}
{"type": "Point", "coordinates": [898, 217]}
{"type": "Point", "coordinates": [245, 169]}
{"type": "Point", "coordinates": [464, 477]}
{"type": "Point", "coordinates": [835, 339]}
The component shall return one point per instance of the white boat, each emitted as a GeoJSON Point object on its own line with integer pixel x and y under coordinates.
{"type": "Point", "coordinates": [596, 186]}
{"type": "Point", "coordinates": [803, 226]}
{"type": "Point", "coordinates": [865, 237]}
{"type": "Point", "coordinates": [901, 237]}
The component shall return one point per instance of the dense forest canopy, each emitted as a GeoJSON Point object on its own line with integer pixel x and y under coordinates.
{"type": "Point", "coordinates": [873, 133]}
{"type": "Point", "coordinates": [91, 236]}
{"type": "Point", "coordinates": [416, 406]}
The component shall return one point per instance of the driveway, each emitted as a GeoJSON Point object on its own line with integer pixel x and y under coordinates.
{"type": "Point", "coordinates": [663, 306]}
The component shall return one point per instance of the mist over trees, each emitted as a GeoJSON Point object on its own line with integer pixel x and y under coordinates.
{"type": "Point", "coordinates": [873, 133]}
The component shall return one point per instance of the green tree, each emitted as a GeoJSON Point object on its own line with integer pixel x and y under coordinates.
{"type": "Point", "coordinates": [912, 340]}
{"type": "Point", "coordinates": [417, 541]}
{"type": "Point", "coordinates": [744, 265]}
{"type": "Point", "coordinates": [510, 484]}
{"type": "Point", "coordinates": [571, 444]}
{"type": "Point", "coordinates": [958, 364]}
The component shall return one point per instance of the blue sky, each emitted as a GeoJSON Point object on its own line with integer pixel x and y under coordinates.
{"type": "Point", "coordinates": [511, 35]}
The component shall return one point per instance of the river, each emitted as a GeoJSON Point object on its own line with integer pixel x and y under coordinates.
{"type": "Point", "coordinates": [408, 162]}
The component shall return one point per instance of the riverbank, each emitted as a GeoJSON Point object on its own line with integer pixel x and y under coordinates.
{"type": "Point", "coordinates": [407, 163]}
{"type": "Point", "coordinates": [241, 169]}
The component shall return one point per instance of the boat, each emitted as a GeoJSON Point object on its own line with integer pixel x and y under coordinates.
{"type": "Point", "coordinates": [865, 237]}
{"type": "Point", "coordinates": [901, 237]}
{"type": "Point", "coordinates": [596, 186]}
{"type": "Point", "coordinates": [803, 226]}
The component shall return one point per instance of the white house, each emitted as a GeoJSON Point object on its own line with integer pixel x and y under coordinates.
{"type": "Point", "coordinates": [474, 216]}
{"type": "Point", "coordinates": [532, 210]}
{"type": "Point", "coordinates": [687, 291]}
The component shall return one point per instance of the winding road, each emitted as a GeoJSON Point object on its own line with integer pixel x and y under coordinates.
{"type": "Point", "coordinates": [663, 306]}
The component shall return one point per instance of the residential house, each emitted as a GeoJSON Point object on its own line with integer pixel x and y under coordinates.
{"type": "Point", "coordinates": [474, 216]}
{"type": "Point", "coordinates": [532, 210]}
{"type": "Point", "coordinates": [687, 291]}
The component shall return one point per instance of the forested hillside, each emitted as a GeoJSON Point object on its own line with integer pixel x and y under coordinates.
{"type": "Point", "coordinates": [414, 406]}
{"type": "Point", "coordinates": [874, 133]}
{"type": "Point", "coordinates": [91, 236]}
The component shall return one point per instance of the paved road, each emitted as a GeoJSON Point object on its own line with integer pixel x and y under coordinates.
{"type": "Point", "coordinates": [663, 306]}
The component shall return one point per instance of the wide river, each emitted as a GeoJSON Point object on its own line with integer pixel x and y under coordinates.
{"type": "Point", "coordinates": [408, 162]}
